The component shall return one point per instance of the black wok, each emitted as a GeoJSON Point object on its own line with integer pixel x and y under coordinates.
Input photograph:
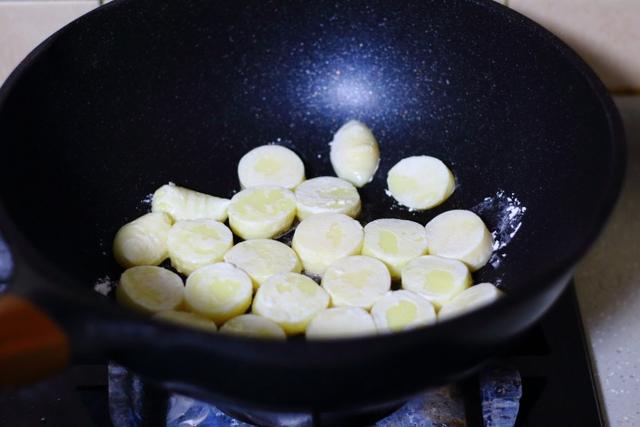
{"type": "Point", "coordinates": [139, 93]}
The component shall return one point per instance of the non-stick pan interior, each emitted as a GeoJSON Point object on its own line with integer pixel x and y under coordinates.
{"type": "Point", "coordinates": [137, 95]}
{"type": "Point", "coordinates": [144, 92]}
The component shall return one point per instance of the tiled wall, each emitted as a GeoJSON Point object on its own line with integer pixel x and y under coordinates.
{"type": "Point", "coordinates": [25, 23]}
{"type": "Point", "coordinates": [605, 32]}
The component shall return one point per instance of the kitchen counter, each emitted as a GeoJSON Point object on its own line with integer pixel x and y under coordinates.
{"type": "Point", "coordinates": [608, 287]}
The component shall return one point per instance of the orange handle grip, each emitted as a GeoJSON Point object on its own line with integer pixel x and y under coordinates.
{"type": "Point", "coordinates": [32, 346]}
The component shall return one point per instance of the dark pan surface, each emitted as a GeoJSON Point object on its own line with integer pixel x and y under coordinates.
{"type": "Point", "coordinates": [144, 92]}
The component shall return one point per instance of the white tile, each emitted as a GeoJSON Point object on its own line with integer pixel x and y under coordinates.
{"type": "Point", "coordinates": [606, 33]}
{"type": "Point", "coordinates": [24, 24]}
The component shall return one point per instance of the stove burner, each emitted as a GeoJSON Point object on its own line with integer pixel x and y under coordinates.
{"type": "Point", "coordinates": [500, 389]}
{"type": "Point", "coordinates": [443, 406]}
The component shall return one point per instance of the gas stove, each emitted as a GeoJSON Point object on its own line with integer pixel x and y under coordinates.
{"type": "Point", "coordinates": [545, 379]}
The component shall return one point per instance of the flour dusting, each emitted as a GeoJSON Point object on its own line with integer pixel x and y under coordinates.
{"type": "Point", "coordinates": [503, 213]}
{"type": "Point", "coordinates": [104, 285]}
{"type": "Point", "coordinates": [397, 206]}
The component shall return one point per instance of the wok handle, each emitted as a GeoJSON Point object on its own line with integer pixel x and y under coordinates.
{"type": "Point", "coordinates": [32, 346]}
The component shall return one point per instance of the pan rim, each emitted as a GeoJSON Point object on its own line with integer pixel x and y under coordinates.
{"type": "Point", "coordinates": [535, 284]}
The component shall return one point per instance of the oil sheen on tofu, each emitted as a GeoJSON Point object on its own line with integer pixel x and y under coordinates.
{"type": "Point", "coordinates": [291, 300]}
{"type": "Point", "coordinates": [327, 194]}
{"type": "Point", "coordinates": [461, 235]}
{"type": "Point", "coordinates": [218, 291]}
{"type": "Point", "coordinates": [420, 182]}
{"type": "Point", "coordinates": [322, 239]}
{"type": "Point", "coordinates": [401, 311]}
{"type": "Point", "coordinates": [270, 165]}
{"type": "Point", "coordinates": [394, 242]}
{"type": "Point", "coordinates": [436, 279]}
{"type": "Point", "coordinates": [263, 258]}
{"type": "Point", "coordinates": [262, 212]}
{"type": "Point", "coordinates": [355, 154]}
{"type": "Point", "coordinates": [195, 243]}
{"type": "Point", "coordinates": [356, 281]}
